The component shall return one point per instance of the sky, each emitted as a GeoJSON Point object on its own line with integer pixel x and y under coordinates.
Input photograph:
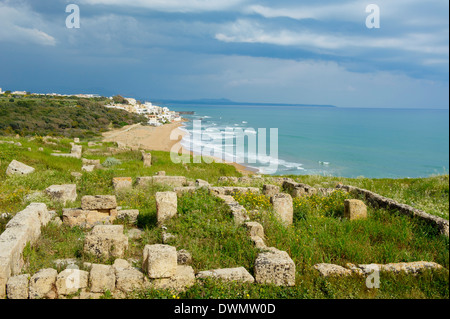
{"type": "Point", "coordinates": [284, 51]}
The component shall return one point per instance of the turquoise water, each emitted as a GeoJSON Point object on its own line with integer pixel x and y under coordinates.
{"type": "Point", "coordinates": [347, 142]}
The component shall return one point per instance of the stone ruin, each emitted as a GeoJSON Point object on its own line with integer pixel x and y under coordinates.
{"type": "Point", "coordinates": [76, 152]}
{"type": "Point", "coordinates": [163, 267]}
{"type": "Point", "coordinates": [18, 168]}
{"type": "Point", "coordinates": [331, 270]}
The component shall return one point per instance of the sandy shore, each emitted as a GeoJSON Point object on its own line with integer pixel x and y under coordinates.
{"type": "Point", "coordinates": [152, 138]}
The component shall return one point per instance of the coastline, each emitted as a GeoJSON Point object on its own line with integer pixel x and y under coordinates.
{"type": "Point", "coordinates": [152, 138]}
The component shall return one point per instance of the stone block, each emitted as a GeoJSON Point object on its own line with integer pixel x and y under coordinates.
{"type": "Point", "coordinates": [102, 278]}
{"type": "Point", "coordinates": [327, 270]}
{"type": "Point", "coordinates": [270, 190]}
{"type": "Point", "coordinates": [355, 209]}
{"type": "Point", "coordinates": [85, 218]}
{"type": "Point", "coordinates": [275, 267]}
{"type": "Point", "coordinates": [99, 202]}
{"type": "Point", "coordinates": [183, 190]}
{"type": "Point", "coordinates": [121, 264]}
{"type": "Point", "coordinates": [17, 287]}
{"type": "Point", "coordinates": [24, 227]}
{"type": "Point", "coordinates": [160, 261]}
{"type": "Point", "coordinates": [130, 215]}
{"type": "Point", "coordinates": [184, 257]}
{"type": "Point", "coordinates": [88, 168]}
{"type": "Point", "coordinates": [43, 284]}
{"type": "Point", "coordinates": [86, 161]}
{"type": "Point", "coordinates": [18, 168]}
{"type": "Point", "coordinates": [62, 193]}
{"type": "Point", "coordinates": [239, 213]}
{"type": "Point", "coordinates": [122, 183]}
{"type": "Point", "coordinates": [106, 241]}
{"type": "Point", "coordinates": [239, 274]}
{"type": "Point", "coordinates": [201, 183]}
{"type": "Point", "coordinates": [69, 281]}
{"type": "Point", "coordinates": [283, 208]}
{"type": "Point", "coordinates": [255, 229]}
{"type": "Point", "coordinates": [128, 280]}
{"type": "Point", "coordinates": [183, 278]}
{"type": "Point", "coordinates": [258, 242]}
{"type": "Point", "coordinates": [147, 159]}
{"type": "Point", "coordinates": [166, 205]}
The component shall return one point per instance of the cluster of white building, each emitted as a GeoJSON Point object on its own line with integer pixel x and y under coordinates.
{"type": "Point", "coordinates": [156, 115]}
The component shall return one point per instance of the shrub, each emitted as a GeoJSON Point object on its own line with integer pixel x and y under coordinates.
{"type": "Point", "coordinates": [111, 161]}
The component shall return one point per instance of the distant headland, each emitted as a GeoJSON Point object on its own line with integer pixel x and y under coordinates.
{"type": "Point", "coordinates": [230, 102]}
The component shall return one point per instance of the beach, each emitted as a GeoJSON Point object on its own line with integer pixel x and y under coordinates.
{"type": "Point", "coordinates": [151, 138]}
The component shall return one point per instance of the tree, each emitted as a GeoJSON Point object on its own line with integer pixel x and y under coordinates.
{"type": "Point", "coordinates": [119, 99]}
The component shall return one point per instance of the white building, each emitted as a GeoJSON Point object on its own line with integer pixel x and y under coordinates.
{"type": "Point", "coordinates": [131, 101]}
{"type": "Point", "coordinates": [1, 92]}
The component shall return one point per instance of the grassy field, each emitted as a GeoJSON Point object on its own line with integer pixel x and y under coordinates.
{"type": "Point", "coordinates": [204, 226]}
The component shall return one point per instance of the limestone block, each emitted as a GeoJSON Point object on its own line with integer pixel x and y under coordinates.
{"type": "Point", "coordinates": [255, 229]}
{"type": "Point", "coordinates": [130, 215]}
{"type": "Point", "coordinates": [121, 183]}
{"type": "Point", "coordinates": [166, 205]}
{"type": "Point", "coordinates": [43, 284]}
{"type": "Point", "coordinates": [275, 267]}
{"type": "Point", "coordinates": [121, 264]}
{"type": "Point", "coordinates": [17, 287]}
{"type": "Point", "coordinates": [147, 159]}
{"type": "Point", "coordinates": [76, 151]}
{"type": "Point", "coordinates": [106, 241]}
{"type": "Point", "coordinates": [184, 257]}
{"type": "Point", "coordinates": [355, 209]}
{"type": "Point", "coordinates": [160, 261]}
{"type": "Point", "coordinates": [201, 183]}
{"type": "Point", "coordinates": [18, 168]}
{"type": "Point", "coordinates": [69, 281]}
{"type": "Point", "coordinates": [239, 214]}
{"type": "Point", "coordinates": [99, 202]}
{"type": "Point", "coordinates": [239, 274]}
{"type": "Point", "coordinates": [184, 278]}
{"type": "Point", "coordinates": [283, 207]}
{"type": "Point", "coordinates": [128, 280]}
{"type": "Point", "coordinates": [85, 218]}
{"type": "Point", "coordinates": [88, 168]}
{"type": "Point", "coordinates": [270, 190]}
{"type": "Point", "coordinates": [86, 161]}
{"type": "Point", "coordinates": [62, 193]}
{"type": "Point", "coordinates": [102, 278]}
{"type": "Point", "coordinates": [327, 270]}
{"type": "Point", "coordinates": [258, 242]}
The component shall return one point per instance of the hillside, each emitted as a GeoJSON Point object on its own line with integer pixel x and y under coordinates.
{"type": "Point", "coordinates": [60, 116]}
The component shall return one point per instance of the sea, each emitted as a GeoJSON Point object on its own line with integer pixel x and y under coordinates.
{"type": "Point", "coordinates": [329, 141]}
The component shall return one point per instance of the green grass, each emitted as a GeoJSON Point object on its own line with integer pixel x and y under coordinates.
{"type": "Point", "coordinates": [429, 194]}
{"type": "Point", "coordinates": [204, 226]}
